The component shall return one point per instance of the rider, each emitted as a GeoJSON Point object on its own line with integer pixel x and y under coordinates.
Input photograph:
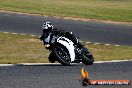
{"type": "Point", "coordinates": [49, 31]}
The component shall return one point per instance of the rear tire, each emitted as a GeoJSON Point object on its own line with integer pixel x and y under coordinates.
{"type": "Point", "coordinates": [62, 55]}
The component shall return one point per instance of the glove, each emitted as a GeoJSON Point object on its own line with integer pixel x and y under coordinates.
{"type": "Point", "coordinates": [42, 37]}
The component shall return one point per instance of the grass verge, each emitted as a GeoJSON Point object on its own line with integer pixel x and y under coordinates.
{"type": "Point", "coordinates": [27, 49]}
{"type": "Point", "coordinates": [116, 10]}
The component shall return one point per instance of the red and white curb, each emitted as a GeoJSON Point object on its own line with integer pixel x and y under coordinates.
{"type": "Point", "coordinates": [37, 64]}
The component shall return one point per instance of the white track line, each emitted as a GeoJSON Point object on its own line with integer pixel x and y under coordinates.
{"type": "Point", "coordinates": [33, 35]}
{"type": "Point", "coordinates": [35, 64]}
{"type": "Point", "coordinates": [88, 42]}
{"type": "Point", "coordinates": [117, 45]}
{"type": "Point", "coordinates": [22, 34]}
{"type": "Point", "coordinates": [107, 44]}
{"type": "Point", "coordinates": [6, 32]}
{"type": "Point", "coordinates": [97, 43]}
{"type": "Point", "coordinates": [6, 64]}
{"type": "Point", "coordinates": [112, 61]}
{"type": "Point", "coordinates": [14, 33]}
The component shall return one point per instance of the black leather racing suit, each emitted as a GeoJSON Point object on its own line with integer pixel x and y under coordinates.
{"type": "Point", "coordinates": [55, 31]}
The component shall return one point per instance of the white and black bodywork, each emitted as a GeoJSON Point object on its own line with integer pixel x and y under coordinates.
{"type": "Point", "coordinates": [65, 48]}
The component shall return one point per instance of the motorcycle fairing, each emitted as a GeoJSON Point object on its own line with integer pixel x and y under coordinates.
{"type": "Point", "coordinates": [69, 45]}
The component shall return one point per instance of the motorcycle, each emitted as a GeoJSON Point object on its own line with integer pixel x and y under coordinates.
{"type": "Point", "coordinates": [65, 48]}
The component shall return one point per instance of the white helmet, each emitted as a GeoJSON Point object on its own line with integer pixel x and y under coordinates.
{"type": "Point", "coordinates": [47, 25]}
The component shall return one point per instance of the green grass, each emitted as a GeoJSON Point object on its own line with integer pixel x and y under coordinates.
{"type": "Point", "coordinates": [27, 49]}
{"type": "Point", "coordinates": [107, 53]}
{"type": "Point", "coordinates": [21, 49]}
{"type": "Point", "coordinates": [116, 10]}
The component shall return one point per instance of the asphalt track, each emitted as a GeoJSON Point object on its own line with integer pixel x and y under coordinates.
{"type": "Point", "coordinates": [57, 76]}
{"type": "Point", "coordinates": [87, 31]}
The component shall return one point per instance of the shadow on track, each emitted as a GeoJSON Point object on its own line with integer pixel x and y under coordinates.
{"type": "Point", "coordinates": [49, 64]}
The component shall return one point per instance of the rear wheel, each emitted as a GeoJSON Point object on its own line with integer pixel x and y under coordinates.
{"type": "Point", "coordinates": [62, 55]}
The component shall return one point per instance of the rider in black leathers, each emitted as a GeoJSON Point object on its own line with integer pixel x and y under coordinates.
{"type": "Point", "coordinates": [48, 29]}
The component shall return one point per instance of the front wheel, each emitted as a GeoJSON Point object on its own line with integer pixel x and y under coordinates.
{"type": "Point", "coordinates": [62, 55]}
{"type": "Point", "coordinates": [88, 58]}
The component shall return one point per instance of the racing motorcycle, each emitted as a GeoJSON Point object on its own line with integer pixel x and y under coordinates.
{"type": "Point", "coordinates": [65, 48]}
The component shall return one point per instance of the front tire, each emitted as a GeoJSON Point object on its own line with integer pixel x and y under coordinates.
{"type": "Point", "coordinates": [62, 55]}
{"type": "Point", "coordinates": [88, 58]}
